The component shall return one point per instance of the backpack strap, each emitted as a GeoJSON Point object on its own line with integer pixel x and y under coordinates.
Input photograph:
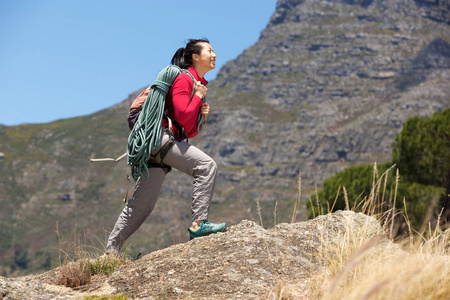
{"type": "Point", "coordinates": [171, 122]}
{"type": "Point", "coordinates": [200, 118]}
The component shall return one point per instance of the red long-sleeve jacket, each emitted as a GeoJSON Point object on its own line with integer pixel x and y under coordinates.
{"type": "Point", "coordinates": [185, 110]}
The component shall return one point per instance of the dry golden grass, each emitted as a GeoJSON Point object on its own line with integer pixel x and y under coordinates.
{"type": "Point", "coordinates": [359, 265]}
{"type": "Point", "coordinates": [75, 273]}
{"type": "Point", "coordinates": [78, 261]}
{"type": "Point", "coordinates": [385, 270]}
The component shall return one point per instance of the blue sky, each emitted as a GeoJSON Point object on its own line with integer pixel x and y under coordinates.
{"type": "Point", "coordinates": [66, 58]}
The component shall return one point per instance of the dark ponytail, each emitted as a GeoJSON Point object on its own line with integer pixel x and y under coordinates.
{"type": "Point", "coordinates": [183, 56]}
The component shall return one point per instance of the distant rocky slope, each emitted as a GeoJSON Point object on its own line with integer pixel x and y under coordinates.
{"type": "Point", "coordinates": [327, 86]}
{"type": "Point", "coordinates": [244, 263]}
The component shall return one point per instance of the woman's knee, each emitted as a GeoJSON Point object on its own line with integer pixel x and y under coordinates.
{"type": "Point", "coordinates": [212, 166]}
{"type": "Point", "coordinates": [206, 167]}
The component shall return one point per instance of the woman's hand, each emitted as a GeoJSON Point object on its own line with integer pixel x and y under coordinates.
{"type": "Point", "coordinates": [200, 89]}
{"type": "Point", "coordinates": [204, 110]}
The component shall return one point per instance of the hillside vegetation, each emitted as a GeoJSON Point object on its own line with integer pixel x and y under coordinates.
{"type": "Point", "coordinates": [418, 175]}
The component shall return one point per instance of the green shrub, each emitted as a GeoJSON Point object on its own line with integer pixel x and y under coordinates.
{"type": "Point", "coordinates": [421, 201]}
{"type": "Point", "coordinates": [357, 181]}
{"type": "Point", "coordinates": [421, 153]}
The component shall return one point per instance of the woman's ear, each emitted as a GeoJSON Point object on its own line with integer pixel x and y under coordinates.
{"type": "Point", "coordinates": [195, 57]}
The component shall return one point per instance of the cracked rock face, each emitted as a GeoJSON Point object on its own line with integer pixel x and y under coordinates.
{"type": "Point", "coordinates": [244, 262]}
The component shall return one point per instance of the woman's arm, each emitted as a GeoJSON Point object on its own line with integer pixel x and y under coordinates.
{"type": "Point", "coordinates": [186, 110]}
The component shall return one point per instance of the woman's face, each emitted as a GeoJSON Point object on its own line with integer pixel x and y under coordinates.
{"type": "Point", "coordinates": [206, 60]}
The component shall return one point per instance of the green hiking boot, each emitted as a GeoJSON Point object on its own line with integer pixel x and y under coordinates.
{"type": "Point", "coordinates": [206, 228]}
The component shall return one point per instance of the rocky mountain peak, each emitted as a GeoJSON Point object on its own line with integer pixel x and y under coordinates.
{"type": "Point", "coordinates": [343, 75]}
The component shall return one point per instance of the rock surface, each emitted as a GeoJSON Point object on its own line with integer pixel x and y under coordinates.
{"type": "Point", "coordinates": [246, 262]}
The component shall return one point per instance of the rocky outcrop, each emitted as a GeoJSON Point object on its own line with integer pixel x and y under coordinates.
{"type": "Point", "coordinates": [244, 263]}
{"type": "Point", "coordinates": [436, 10]}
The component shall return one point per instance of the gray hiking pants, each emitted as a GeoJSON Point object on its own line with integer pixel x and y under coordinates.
{"type": "Point", "coordinates": [184, 157]}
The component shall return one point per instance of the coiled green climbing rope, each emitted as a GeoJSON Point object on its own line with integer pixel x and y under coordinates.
{"type": "Point", "coordinates": [146, 133]}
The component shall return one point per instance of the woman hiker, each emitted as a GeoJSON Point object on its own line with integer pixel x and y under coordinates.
{"type": "Point", "coordinates": [184, 106]}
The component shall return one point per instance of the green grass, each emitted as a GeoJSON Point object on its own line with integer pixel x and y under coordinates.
{"type": "Point", "coordinates": [106, 297]}
{"type": "Point", "coordinates": [106, 264]}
